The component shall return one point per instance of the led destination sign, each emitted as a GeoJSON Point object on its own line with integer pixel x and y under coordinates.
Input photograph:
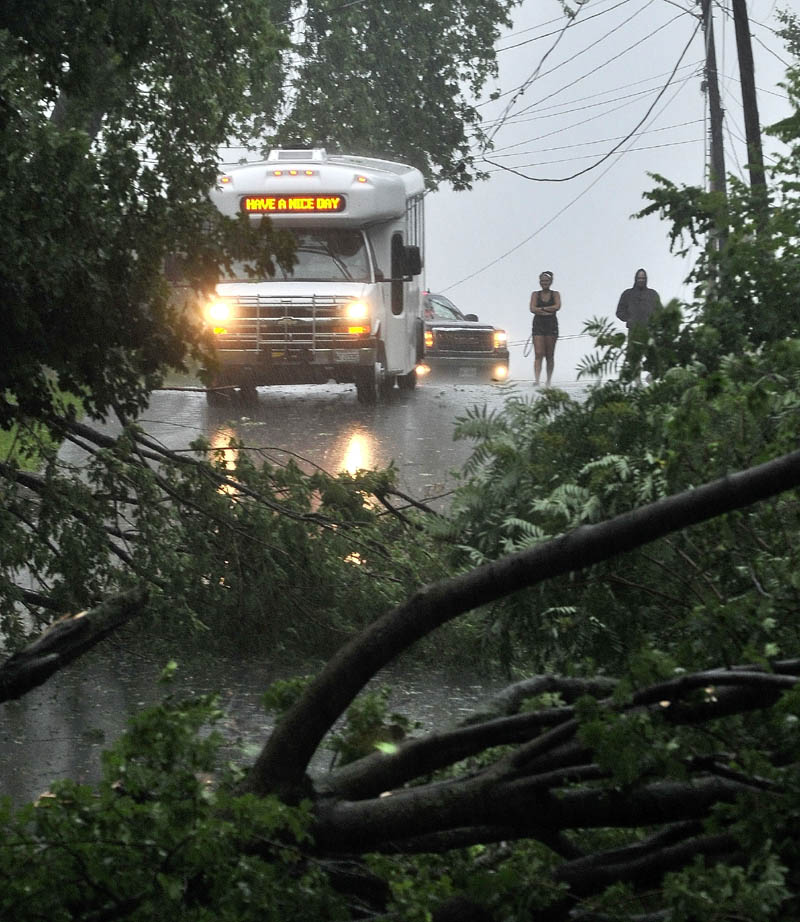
{"type": "Point", "coordinates": [308, 204]}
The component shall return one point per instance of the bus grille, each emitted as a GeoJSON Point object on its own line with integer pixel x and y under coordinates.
{"type": "Point", "coordinates": [263, 322]}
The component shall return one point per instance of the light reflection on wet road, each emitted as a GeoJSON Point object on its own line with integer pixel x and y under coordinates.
{"type": "Point", "coordinates": [326, 426]}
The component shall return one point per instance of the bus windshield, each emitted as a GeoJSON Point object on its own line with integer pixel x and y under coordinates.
{"type": "Point", "coordinates": [326, 255]}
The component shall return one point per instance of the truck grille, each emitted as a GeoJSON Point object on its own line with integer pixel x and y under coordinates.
{"type": "Point", "coordinates": [464, 340]}
{"type": "Point", "coordinates": [264, 322]}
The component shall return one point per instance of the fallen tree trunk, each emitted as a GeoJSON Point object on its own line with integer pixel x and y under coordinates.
{"type": "Point", "coordinates": [282, 763]}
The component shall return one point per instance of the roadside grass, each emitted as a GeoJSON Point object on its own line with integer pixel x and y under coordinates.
{"type": "Point", "coordinates": [25, 450]}
{"type": "Point", "coordinates": [24, 453]}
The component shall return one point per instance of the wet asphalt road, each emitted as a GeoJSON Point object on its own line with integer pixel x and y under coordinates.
{"type": "Point", "coordinates": [326, 426]}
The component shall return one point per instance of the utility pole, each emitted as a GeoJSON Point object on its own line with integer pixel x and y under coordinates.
{"type": "Point", "coordinates": [717, 180]}
{"type": "Point", "coordinates": [752, 128]}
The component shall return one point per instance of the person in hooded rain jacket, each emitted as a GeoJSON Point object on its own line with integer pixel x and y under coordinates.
{"type": "Point", "coordinates": [636, 306]}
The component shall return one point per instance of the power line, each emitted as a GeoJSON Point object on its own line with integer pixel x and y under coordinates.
{"type": "Point", "coordinates": [601, 140]}
{"type": "Point", "coordinates": [630, 150]}
{"type": "Point", "coordinates": [616, 146]}
{"type": "Point", "coordinates": [555, 32]}
{"type": "Point", "coordinates": [599, 40]}
{"type": "Point", "coordinates": [546, 112]}
{"type": "Point", "coordinates": [565, 128]}
{"type": "Point", "coordinates": [613, 89]}
{"type": "Point", "coordinates": [601, 66]}
{"type": "Point", "coordinates": [693, 121]}
{"type": "Point", "coordinates": [524, 86]}
{"type": "Point", "coordinates": [755, 38]}
{"type": "Point", "coordinates": [558, 214]}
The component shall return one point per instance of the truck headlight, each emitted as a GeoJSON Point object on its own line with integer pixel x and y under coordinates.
{"type": "Point", "coordinates": [500, 339]}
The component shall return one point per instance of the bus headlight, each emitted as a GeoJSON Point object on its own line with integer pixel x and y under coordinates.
{"type": "Point", "coordinates": [218, 313]}
{"type": "Point", "coordinates": [356, 310]}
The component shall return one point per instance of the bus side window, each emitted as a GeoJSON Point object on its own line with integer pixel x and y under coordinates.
{"type": "Point", "coordinates": [398, 271]}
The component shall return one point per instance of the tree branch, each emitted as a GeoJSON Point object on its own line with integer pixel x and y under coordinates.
{"type": "Point", "coordinates": [282, 763]}
{"type": "Point", "coordinates": [369, 776]}
{"type": "Point", "coordinates": [65, 641]}
{"type": "Point", "coordinates": [522, 806]}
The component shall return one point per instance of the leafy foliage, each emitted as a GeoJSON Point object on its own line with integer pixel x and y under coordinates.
{"type": "Point", "coordinates": [724, 397]}
{"type": "Point", "coordinates": [157, 839]}
{"type": "Point", "coordinates": [395, 78]}
{"type": "Point", "coordinates": [109, 133]}
{"type": "Point", "coordinates": [230, 543]}
{"type": "Point", "coordinates": [670, 791]}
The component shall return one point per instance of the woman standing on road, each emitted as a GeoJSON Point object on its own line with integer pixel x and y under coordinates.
{"type": "Point", "coordinates": [544, 305]}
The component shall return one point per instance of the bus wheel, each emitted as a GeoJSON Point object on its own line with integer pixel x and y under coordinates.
{"type": "Point", "coordinates": [368, 386]}
{"type": "Point", "coordinates": [387, 386]}
{"type": "Point", "coordinates": [217, 395]}
{"type": "Point", "coordinates": [407, 382]}
{"type": "Point", "coordinates": [247, 395]}
{"type": "Point", "coordinates": [217, 398]}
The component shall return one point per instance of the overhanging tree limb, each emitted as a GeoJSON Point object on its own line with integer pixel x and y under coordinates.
{"type": "Point", "coordinates": [65, 641]}
{"type": "Point", "coordinates": [282, 763]}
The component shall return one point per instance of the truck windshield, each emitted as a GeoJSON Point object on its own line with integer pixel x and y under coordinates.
{"type": "Point", "coordinates": [322, 256]}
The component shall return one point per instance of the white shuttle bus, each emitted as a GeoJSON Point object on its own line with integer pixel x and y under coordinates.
{"type": "Point", "coordinates": [350, 308]}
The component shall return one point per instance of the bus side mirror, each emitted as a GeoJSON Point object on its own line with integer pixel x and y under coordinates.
{"type": "Point", "coordinates": [173, 269]}
{"type": "Point", "coordinates": [413, 260]}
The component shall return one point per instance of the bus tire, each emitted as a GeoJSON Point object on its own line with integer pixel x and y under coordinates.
{"type": "Point", "coordinates": [217, 398]}
{"type": "Point", "coordinates": [386, 385]}
{"type": "Point", "coordinates": [407, 382]}
{"type": "Point", "coordinates": [368, 385]}
{"type": "Point", "coordinates": [247, 395]}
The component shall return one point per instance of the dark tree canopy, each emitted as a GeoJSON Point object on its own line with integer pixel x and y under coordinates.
{"type": "Point", "coordinates": [395, 78]}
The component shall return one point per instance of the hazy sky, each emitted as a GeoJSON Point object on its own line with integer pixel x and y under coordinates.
{"type": "Point", "coordinates": [583, 91]}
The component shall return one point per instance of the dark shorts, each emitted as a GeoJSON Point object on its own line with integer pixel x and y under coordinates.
{"type": "Point", "coordinates": [545, 326]}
